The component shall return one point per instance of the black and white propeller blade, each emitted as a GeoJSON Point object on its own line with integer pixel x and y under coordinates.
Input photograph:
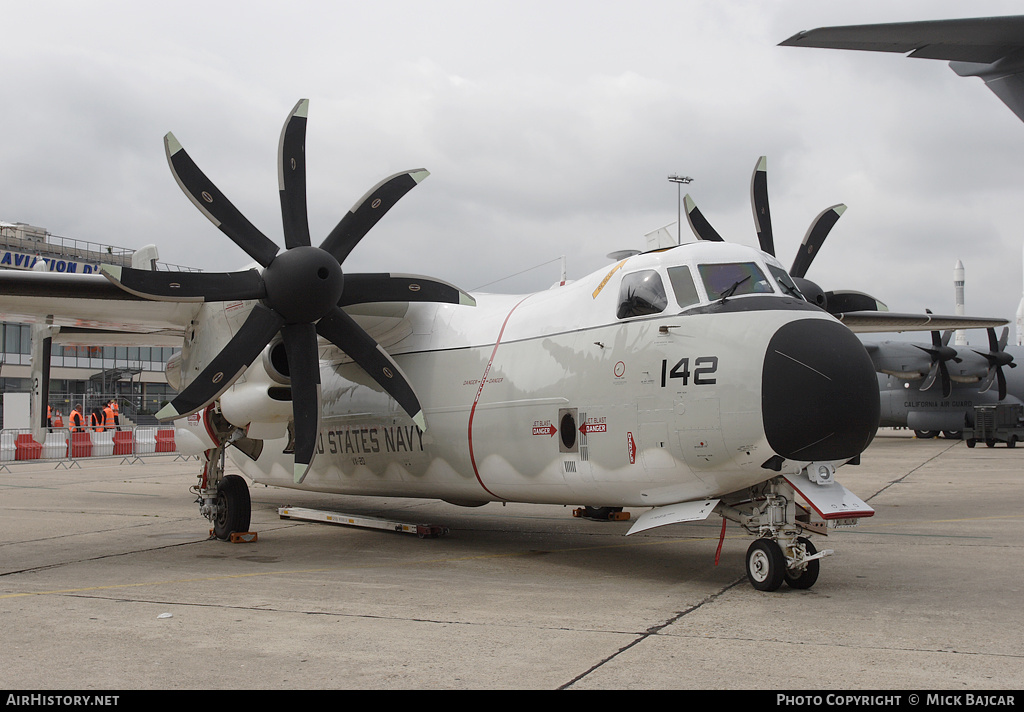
{"type": "Point", "coordinates": [299, 292]}
{"type": "Point", "coordinates": [759, 204]}
{"type": "Point", "coordinates": [215, 205]}
{"type": "Point", "coordinates": [698, 223]}
{"type": "Point", "coordinates": [369, 210]}
{"type": "Point", "coordinates": [813, 239]}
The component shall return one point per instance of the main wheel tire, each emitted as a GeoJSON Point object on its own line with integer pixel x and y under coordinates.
{"type": "Point", "coordinates": [806, 577]}
{"type": "Point", "coordinates": [766, 565]}
{"type": "Point", "coordinates": [926, 434]}
{"type": "Point", "coordinates": [234, 508]}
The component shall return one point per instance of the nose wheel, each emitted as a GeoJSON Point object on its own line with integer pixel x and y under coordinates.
{"type": "Point", "coordinates": [766, 565]}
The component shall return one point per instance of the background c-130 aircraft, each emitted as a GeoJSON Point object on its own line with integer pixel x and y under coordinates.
{"type": "Point", "coordinates": [703, 378]}
{"type": "Point", "coordinates": [934, 387]}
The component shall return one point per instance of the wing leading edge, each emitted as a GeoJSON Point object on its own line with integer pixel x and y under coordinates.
{"type": "Point", "coordinates": [991, 48]}
{"type": "Point", "coordinates": [86, 300]}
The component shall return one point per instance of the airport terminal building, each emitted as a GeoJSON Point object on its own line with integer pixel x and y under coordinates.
{"type": "Point", "coordinates": [79, 374]}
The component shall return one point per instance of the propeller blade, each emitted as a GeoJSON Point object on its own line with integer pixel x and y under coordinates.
{"type": "Point", "coordinates": [698, 223]}
{"type": "Point", "coordinates": [947, 383]}
{"type": "Point", "coordinates": [342, 331]}
{"type": "Point", "coordinates": [369, 210]}
{"type": "Point", "coordinates": [816, 234]}
{"type": "Point", "coordinates": [997, 357]}
{"type": "Point", "coordinates": [383, 287]}
{"type": "Point", "coordinates": [215, 206]}
{"type": "Point", "coordinates": [257, 331]}
{"type": "Point", "coordinates": [929, 380]}
{"type": "Point", "coordinates": [759, 203]}
{"type": "Point", "coordinates": [304, 370]}
{"type": "Point", "coordinates": [291, 177]}
{"type": "Point", "coordinates": [187, 286]}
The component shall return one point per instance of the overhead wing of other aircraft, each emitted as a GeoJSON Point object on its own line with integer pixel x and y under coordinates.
{"type": "Point", "coordinates": [690, 380]}
{"type": "Point", "coordinates": [991, 48]}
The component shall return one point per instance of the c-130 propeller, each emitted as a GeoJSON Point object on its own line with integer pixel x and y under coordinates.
{"type": "Point", "coordinates": [300, 291]}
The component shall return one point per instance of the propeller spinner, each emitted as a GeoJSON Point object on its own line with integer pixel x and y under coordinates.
{"type": "Point", "coordinates": [300, 290]}
{"type": "Point", "coordinates": [836, 302]}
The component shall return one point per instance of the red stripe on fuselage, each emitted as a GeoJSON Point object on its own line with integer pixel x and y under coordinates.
{"type": "Point", "coordinates": [479, 391]}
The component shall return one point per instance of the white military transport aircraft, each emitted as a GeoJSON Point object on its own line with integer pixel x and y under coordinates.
{"type": "Point", "coordinates": [690, 380]}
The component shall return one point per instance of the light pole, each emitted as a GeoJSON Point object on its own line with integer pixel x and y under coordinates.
{"type": "Point", "coordinates": [680, 181]}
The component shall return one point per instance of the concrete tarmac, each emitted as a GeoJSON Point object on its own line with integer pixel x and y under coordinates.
{"type": "Point", "coordinates": [925, 595]}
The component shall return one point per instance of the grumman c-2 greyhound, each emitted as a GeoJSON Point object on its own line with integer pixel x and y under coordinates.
{"type": "Point", "coordinates": [691, 380]}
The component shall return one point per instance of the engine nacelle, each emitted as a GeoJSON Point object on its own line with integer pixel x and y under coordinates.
{"type": "Point", "coordinates": [197, 433]}
{"type": "Point", "coordinates": [172, 371]}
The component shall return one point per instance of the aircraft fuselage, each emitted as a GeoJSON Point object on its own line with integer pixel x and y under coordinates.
{"type": "Point", "coordinates": [557, 397]}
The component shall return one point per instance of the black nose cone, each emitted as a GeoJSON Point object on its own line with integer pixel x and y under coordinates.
{"type": "Point", "coordinates": [819, 394]}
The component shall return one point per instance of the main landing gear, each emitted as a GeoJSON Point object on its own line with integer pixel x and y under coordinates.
{"type": "Point", "coordinates": [223, 499]}
{"type": "Point", "coordinates": [780, 554]}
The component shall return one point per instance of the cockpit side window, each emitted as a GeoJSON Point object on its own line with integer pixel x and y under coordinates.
{"type": "Point", "coordinates": [683, 286]}
{"type": "Point", "coordinates": [641, 293]}
{"type": "Point", "coordinates": [732, 279]}
{"type": "Point", "coordinates": [785, 281]}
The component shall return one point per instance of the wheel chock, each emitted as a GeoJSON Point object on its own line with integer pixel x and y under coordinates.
{"type": "Point", "coordinates": [238, 537]}
{"type": "Point", "coordinates": [582, 513]}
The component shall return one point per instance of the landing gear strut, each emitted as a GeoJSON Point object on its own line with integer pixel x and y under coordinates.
{"type": "Point", "coordinates": [780, 553]}
{"type": "Point", "coordinates": [223, 499]}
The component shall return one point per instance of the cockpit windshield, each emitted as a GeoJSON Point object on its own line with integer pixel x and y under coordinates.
{"type": "Point", "coordinates": [724, 280]}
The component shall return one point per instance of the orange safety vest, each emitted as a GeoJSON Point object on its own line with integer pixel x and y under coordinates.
{"type": "Point", "coordinates": [76, 421]}
{"type": "Point", "coordinates": [108, 417]}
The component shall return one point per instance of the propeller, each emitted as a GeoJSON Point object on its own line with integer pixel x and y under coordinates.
{"type": "Point", "coordinates": [299, 291]}
{"type": "Point", "coordinates": [836, 302]}
{"type": "Point", "coordinates": [940, 353]}
{"type": "Point", "coordinates": [997, 357]}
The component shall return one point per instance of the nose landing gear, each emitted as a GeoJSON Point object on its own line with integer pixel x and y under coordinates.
{"type": "Point", "coordinates": [780, 554]}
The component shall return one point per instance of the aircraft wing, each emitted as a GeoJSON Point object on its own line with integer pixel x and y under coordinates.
{"type": "Point", "coordinates": [88, 301]}
{"type": "Point", "coordinates": [991, 48]}
{"type": "Point", "coordinates": [871, 321]}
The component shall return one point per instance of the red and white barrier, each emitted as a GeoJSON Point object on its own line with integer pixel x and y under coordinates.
{"type": "Point", "coordinates": [60, 444]}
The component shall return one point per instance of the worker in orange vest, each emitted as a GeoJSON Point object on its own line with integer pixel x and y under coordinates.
{"type": "Point", "coordinates": [76, 420]}
{"type": "Point", "coordinates": [116, 411]}
{"type": "Point", "coordinates": [108, 417]}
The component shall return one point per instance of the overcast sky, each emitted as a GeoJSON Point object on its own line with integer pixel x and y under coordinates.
{"type": "Point", "coordinates": [549, 129]}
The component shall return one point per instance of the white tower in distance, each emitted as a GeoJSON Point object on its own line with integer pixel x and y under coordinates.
{"type": "Point", "coordinates": [1020, 322]}
{"type": "Point", "coordinates": [958, 291]}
